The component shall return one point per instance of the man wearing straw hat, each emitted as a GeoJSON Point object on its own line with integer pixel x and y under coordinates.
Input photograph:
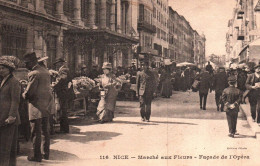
{"type": "Point", "coordinates": [39, 95]}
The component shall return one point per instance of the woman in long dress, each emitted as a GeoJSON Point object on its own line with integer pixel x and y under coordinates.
{"type": "Point", "coordinates": [166, 90]}
{"type": "Point", "coordinates": [109, 86]}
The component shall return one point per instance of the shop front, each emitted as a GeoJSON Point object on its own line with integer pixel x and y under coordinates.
{"type": "Point", "coordinates": [93, 47]}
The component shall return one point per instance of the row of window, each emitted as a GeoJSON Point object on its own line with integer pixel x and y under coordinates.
{"type": "Point", "coordinates": [160, 17]}
{"type": "Point", "coordinates": [15, 40]}
{"type": "Point", "coordinates": [163, 5]}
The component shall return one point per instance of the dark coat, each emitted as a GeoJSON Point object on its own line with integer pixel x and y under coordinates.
{"type": "Point", "coordinates": [205, 82]}
{"type": "Point", "coordinates": [231, 95]}
{"type": "Point", "coordinates": [145, 83]}
{"type": "Point", "coordinates": [251, 80]}
{"type": "Point", "coordinates": [39, 93]}
{"type": "Point", "coordinates": [10, 94]}
{"type": "Point", "coordinates": [241, 81]}
{"type": "Point", "coordinates": [220, 82]}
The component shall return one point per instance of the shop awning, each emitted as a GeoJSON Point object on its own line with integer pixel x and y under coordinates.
{"type": "Point", "coordinates": [253, 51]}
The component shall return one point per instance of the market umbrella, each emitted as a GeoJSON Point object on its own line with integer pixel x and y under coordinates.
{"type": "Point", "coordinates": [185, 64]}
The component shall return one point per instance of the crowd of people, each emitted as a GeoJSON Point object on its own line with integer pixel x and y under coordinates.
{"type": "Point", "coordinates": [32, 104]}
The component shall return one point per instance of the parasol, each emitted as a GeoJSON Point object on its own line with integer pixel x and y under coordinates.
{"type": "Point", "coordinates": [185, 64]}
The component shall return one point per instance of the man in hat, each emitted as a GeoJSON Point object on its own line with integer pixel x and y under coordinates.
{"type": "Point", "coordinates": [94, 72]}
{"type": "Point", "coordinates": [62, 89]}
{"type": "Point", "coordinates": [232, 97]}
{"type": "Point", "coordinates": [241, 79]}
{"type": "Point", "coordinates": [84, 71]}
{"type": "Point", "coordinates": [39, 95]}
{"type": "Point", "coordinates": [253, 85]}
{"type": "Point", "coordinates": [209, 68]}
{"type": "Point", "coordinates": [220, 82]}
{"type": "Point", "coordinates": [145, 83]}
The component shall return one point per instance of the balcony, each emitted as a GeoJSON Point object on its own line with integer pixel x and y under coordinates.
{"type": "Point", "coordinates": [241, 35]}
{"type": "Point", "coordinates": [240, 11]}
{"type": "Point", "coordinates": [142, 25]}
{"type": "Point", "coordinates": [239, 16]}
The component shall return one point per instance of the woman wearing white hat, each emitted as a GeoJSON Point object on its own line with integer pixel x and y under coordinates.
{"type": "Point", "coordinates": [109, 86]}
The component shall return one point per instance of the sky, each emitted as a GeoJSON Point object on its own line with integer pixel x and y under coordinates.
{"type": "Point", "coordinates": [209, 17]}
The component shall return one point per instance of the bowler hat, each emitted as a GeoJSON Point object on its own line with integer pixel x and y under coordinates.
{"type": "Point", "coordinates": [30, 57]}
{"type": "Point", "coordinates": [107, 65]}
{"type": "Point", "coordinates": [232, 78]}
{"type": "Point", "coordinates": [58, 60]}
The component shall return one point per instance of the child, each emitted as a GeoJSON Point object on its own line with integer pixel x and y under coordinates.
{"type": "Point", "coordinates": [231, 97]}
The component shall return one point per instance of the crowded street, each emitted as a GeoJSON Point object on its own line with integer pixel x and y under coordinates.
{"type": "Point", "coordinates": [129, 82]}
{"type": "Point", "coordinates": [177, 127]}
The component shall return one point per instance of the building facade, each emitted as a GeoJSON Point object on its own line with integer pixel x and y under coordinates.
{"type": "Point", "coordinates": [185, 44]}
{"type": "Point", "coordinates": [242, 39]}
{"type": "Point", "coordinates": [160, 18]}
{"type": "Point", "coordinates": [81, 31]}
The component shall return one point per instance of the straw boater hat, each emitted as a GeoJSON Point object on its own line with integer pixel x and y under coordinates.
{"type": "Point", "coordinates": [107, 65]}
{"type": "Point", "coordinates": [42, 59]}
{"type": "Point", "coordinates": [7, 63]}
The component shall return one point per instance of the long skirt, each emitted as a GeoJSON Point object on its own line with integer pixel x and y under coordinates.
{"type": "Point", "coordinates": [166, 90]}
{"type": "Point", "coordinates": [106, 106]}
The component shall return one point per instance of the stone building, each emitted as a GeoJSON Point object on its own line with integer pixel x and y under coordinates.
{"type": "Point", "coordinates": [82, 31]}
{"type": "Point", "coordinates": [185, 44]}
{"type": "Point", "coordinates": [160, 18]}
{"type": "Point", "coordinates": [242, 39]}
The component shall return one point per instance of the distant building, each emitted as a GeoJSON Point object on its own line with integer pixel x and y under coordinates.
{"type": "Point", "coordinates": [185, 44]}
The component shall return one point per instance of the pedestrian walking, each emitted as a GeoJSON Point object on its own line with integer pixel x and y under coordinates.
{"type": "Point", "coordinates": [165, 79]}
{"type": "Point", "coordinates": [64, 92]}
{"type": "Point", "coordinates": [232, 97]}
{"type": "Point", "coordinates": [204, 86]}
{"type": "Point", "coordinates": [39, 95]}
{"type": "Point", "coordinates": [253, 85]}
{"type": "Point", "coordinates": [10, 92]}
{"type": "Point", "coordinates": [109, 86]}
{"type": "Point", "coordinates": [219, 84]}
{"type": "Point", "coordinates": [145, 83]}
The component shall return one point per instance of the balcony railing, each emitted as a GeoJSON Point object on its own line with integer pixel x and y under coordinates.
{"type": "Point", "coordinates": [142, 25]}
{"type": "Point", "coordinates": [241, 35]}
{"type": "Point", "coordinates": [240, 11]}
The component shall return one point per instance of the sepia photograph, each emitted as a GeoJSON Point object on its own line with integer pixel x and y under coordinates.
{"type": "Point", "coordinates": [129, 82]}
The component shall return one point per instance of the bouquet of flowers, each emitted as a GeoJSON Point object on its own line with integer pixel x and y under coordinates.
{"type": "Point", "coordinates": [83, 84]}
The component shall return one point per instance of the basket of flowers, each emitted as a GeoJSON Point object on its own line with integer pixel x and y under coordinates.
{"type": "Point", "coordinates": [82, 86]}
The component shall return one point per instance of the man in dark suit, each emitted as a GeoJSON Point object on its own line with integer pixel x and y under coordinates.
{"type": "Point", "coordinates": [39, 95]}
{"type": "Point", "coordinates": [146, 86]}
{"type": "Point", "coordinates": [62, 89]}
{"type": "Point", "coordinates": [204, 86]}
{"type": "Point", "coordinates": [232, 97]}
{"type": "Point", "coordinates": [219, 84]}
{"type": "Point", "coordinates": [252, 84]}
